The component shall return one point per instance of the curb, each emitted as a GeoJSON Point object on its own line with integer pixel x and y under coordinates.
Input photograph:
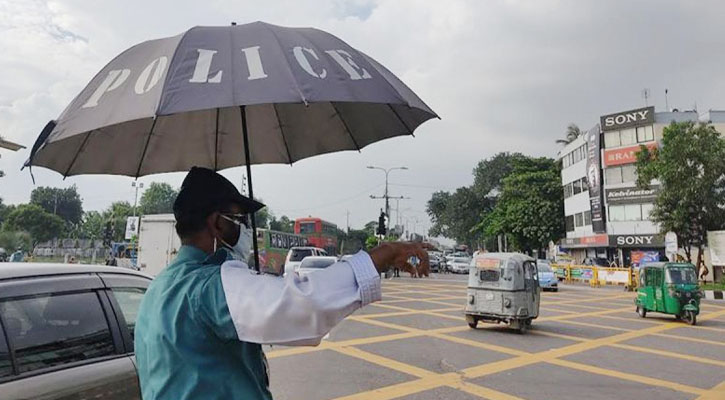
{"type": "Point", "coordinates": [714, 295]}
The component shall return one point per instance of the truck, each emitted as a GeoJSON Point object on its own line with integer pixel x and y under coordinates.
{"type": "Point", "coordinates": [158, 242]}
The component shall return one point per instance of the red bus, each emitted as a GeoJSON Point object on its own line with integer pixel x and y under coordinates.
{"type": "Point", "coordinates": [319, 233]}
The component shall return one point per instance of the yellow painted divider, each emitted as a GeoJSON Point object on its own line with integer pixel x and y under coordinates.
{"type": "Point", "coordinates": [596, 276]}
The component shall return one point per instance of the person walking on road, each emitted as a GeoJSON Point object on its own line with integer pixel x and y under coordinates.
{"type": "Point", "coordinates": [204, 318]}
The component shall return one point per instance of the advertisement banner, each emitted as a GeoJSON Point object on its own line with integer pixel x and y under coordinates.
{"type": "Point", "coordinates": [594, 179]}
{"type": "Point", "coordinates": [632, 195]}
{"type": "Point", "coordinates": [131, 227]}
{"type": "Point", "coordinates": [624, 155]}
{"type": "Point", "coordinates": [640, 258]}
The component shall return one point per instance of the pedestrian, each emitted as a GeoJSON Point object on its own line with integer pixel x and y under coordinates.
{"type": "Point", "coordinates": [18, 256]}
{"type": "Point", "coordinates": [204, 318]}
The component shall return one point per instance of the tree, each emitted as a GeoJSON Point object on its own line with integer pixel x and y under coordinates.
{"type": "Point", "coordinates": [158, 198]}
{"type": "Point", "coordinates": [4, 211]}
{"type": "Point", "coordinates": [92, 225]}
{"type": "Point", "coordinates": [63, 202]}
{"type": "Point", "coordinates": [690, 166]}
{"type": "Point", "coordinates": [31, 218]}
{"type": "Point", "coordinates": [12, 240]}
{"type": "Point", "coordinates": [283, 224]}
{"type": "Point", "coordinates": [370, 228]}
{"type": "Point", "coordinates": [117, 213]}
{"type": "Point", "coordinates": [572, 132]}
{"type": "Point", "coordinates": [531, 205]}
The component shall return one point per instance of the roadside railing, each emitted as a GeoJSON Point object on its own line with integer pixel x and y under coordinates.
{"type": "Point", "coordinates": [596, 276]}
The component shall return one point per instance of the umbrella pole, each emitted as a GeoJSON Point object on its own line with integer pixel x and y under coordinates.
{"type": "Point", "coordinates": [249, 181]}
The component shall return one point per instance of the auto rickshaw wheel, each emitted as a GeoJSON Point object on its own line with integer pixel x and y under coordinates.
{"type": "Point", "coordinates": [641, 312]}
{"type": "Point", "coordinates": [472, 321]}
{"type": "Point", "coordinates": [690, 317]}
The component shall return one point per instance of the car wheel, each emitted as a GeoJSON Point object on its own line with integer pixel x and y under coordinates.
{"type": "Point", "coordinates": [641, 312]}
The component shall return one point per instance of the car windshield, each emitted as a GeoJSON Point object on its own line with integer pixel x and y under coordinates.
{"type": "Point", "coordinates": [544, 267]}
{"type": "Point", "coordinates": [299, 254]}
{"type": "Point", "coordinates": [316, 263]}
{"type": "Point", "coordinates": [680, 276]}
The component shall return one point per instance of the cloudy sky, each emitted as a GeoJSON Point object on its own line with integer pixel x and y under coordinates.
{"type": "Point", "coordinates": [503, 75]}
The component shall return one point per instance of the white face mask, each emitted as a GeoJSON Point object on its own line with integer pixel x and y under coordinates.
{"type": "Point", "coordinates": [243, 246]}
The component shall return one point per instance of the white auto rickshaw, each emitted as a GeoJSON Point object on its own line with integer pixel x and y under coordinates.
{"type": "Point", "coordinates": [503, 287]}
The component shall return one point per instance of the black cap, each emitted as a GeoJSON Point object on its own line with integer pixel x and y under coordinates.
{"type": "Point", "coordinates": [205, 191]}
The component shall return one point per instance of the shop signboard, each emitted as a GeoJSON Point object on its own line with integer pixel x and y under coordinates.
{"type": "Point", "coordinates": [627, 119]}
{"type": "Point", "coordinates": [640, 258]}
{"type": "Point", "coordinates": [637, 241]}
{"type": "Point", "coordinates": [624, 155]}
{"type": "Point", "coordinates": [594, 178]}
{"type": "Point", "coordinates": [632, 195]}
{"type": "Point", "coordinates": [586, 241]}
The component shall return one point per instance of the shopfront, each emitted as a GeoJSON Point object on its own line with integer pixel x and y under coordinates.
{"type": "Point", "coordinates": [636, 250]}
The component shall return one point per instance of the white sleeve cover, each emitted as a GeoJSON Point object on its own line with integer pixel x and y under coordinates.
{"type": "Point", "coordinates": [297, 310]}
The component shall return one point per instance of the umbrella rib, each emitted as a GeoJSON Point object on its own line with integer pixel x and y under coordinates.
{"type": "Point", "coordinates": [401, 119]}
{"type": "Point", "coordinates": [216, 140]}
{"type": "Point", "coordinates": [347, 128]}
{"type": "Point", "coordinates": [281, 132]}
{"type": "Point", "coordinates": [88, 135]}
{"type": "Point", "coordinates": [146, 146]}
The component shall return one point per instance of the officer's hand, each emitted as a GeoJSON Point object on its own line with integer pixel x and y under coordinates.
{"type": "Point", "coordinates": [395, 254]}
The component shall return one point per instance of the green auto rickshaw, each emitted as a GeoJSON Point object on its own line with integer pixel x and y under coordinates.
{"type": "Point", "coordinates": [669, 288]}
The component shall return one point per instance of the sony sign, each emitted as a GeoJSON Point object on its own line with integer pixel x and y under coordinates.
{"type": "Point", "coordinates": [626, 119]}
{"type": "Point", "coordinates": [636, 241]}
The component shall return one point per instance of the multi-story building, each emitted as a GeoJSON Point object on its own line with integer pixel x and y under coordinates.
{"type": "Point", "coordinates": [615, 224]}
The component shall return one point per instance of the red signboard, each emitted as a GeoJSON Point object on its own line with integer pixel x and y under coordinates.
{"type": "Point", "coordinates": [625, 155]}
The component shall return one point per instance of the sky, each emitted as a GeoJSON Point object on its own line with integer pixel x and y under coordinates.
{"type": "Point", "coordinates": [502, 75]}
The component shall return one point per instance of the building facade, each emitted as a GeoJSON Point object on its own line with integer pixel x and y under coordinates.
{"type": "Point", "coordinates": [610, 220]}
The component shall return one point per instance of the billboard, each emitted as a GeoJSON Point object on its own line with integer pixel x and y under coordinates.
{"type": "Point", "coordinates": [624, 155]}
{"type": "Point", "coordinates": [626, 119]}
{"type": "Point", "coordinates": [594, 178]}
{"type": "Point", "coordinates": [632, 195]}
{"type": "Point", "coordinates": [131, 227]}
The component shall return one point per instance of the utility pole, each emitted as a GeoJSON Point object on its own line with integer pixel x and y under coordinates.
{"type": "Point", "coordinates": [137, 185]}
{"type": "Point", "coordinates": [386, 196]}
{"type": "Point", "coordinates": [347, 220]}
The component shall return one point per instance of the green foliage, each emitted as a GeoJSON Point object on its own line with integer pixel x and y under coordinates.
{"type": "Point", "coordinates": [4, 211]}
{"type": "Point", "coordinates": [158, 198]}
{"type": "Point", "coordinates": [572, 132]}
{"type": "Point", "coordinates": [531, 205]}
{"type": "Point", "coordinates": [92, 225]}
{"type": "Point", "coordinates": [63, 202]}
{"type": "Point", "coordinates": [690, 166]}
{"type": "Point", "coordinates": [283, 224]}
{"type": "Point", "coordinates": [371, 242]}
{"type": "Point", "coordinates": [31, 218]}
{"type": "Point", "coordinates": [117, 213]}
{"type": "Point", "coordinates": [262, 217]}
{"type": "Point", "coordinates": [459, 215]}
{"type": "Point", "coordinates": [12, 240]}
{"type": "Point", "coordinates": [370, 228]}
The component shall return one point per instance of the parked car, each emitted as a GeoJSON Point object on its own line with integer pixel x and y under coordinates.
{"type": "Point", "coordinates": [435, 261]}
{"type": "Point", "coordinates": [459, 265]}
{"type": "Point", "coordinates": [547, 277]}
{"type": "Point", "coordinates": [311, 264]}
{"type": "Point", "coordinates": [295, 255]}
{"type": "Point", "coordinates": [70, 331]}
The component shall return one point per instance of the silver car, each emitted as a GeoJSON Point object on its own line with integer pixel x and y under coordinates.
{"type": "Point", "coordinates": [69, 329]}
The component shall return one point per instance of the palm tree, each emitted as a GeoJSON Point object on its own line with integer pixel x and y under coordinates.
{"type": "Point", "coordinates": [572, 132]}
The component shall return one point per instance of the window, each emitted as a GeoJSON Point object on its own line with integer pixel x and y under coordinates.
{"type": "Point", "coordinates": [632, 212]}
{"type": "Point", "coordinates": [569, 222]}
{"type": "Point", "coordinates": [616, 213]}
{"type": "Point", "coordinates": [629, 173]}
{"type": "Point", "coordinates": [645, 134]}
{"type": "Point", "coordinates": [577, 186]}
{"type": "Point", "coordinates": [587, 217]}
{"type": "Point", "coordinates": [613, 175]}
{"type": "Point", "coordinates": [54, 330]}
{"type": "Point", "coordinates": [6, 368]}
{"type": "Point", "coordinates": [579, 220]}
{"type": "Point", "coordinates": [299, 254]}
{"type": "Point", "coordinates": [647, 211]}
{"type": "Point", "coordinates": [568, 191]}
{"type": "Point", "coordinates": [129, 299]}
{"type": "Point", "coordinates": [611, 139]}
{"type": "Point", "coordinates": [307, 227]}
{"type": "Point", "coordinates": [628, 136]}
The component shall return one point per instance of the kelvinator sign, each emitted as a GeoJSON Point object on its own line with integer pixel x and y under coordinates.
{"type": "Point", "coordinates": [631, 195]}
{"type": "Point", "coordinates": [626, 119]}
{"type": "Point", "coordinates": [624, 155]}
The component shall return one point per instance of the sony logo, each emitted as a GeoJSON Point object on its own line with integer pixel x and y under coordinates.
{"type": "Point", "coordinates": [621, 119]}
{"type": "Point", "coordinates": [632, 240]}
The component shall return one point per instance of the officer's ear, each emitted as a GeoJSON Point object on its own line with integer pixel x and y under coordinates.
{"type": "Point", "coordinates": [214, 224]}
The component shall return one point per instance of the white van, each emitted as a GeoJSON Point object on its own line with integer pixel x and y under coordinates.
{"type": "Point", "coordinates": [296, 254]}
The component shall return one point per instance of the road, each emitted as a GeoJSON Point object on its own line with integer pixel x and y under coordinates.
{"type": "Point", "coordinates": [586, 343]}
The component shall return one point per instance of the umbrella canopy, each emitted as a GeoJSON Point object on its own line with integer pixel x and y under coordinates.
{"type": "Point", "coordinates": [169, 104]}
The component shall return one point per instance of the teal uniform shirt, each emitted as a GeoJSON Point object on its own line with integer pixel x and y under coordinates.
{"type": "Point", "coordinates": [185, 340]}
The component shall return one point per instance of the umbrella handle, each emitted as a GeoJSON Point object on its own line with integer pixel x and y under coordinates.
{"type": "Point", "coordinates": [243, 111]}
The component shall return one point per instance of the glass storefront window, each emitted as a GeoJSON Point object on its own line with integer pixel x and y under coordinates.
{"type": "Point", "coordinates": [579, 219]}
{"type": "Point", "coordinates": [587, 217]}
{"type": "Point", "coordinates": [616, 213]}
{"type": "Point", "coordinates": [645, 134]}
{"type": "Point", "coordinates": [646, 211]}
{"type": "Point", "coordinates": [629, 173]}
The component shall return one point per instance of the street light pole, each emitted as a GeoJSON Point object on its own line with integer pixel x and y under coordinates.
{"type": "Point", "coordinates": [386, 196]}
{"type": "Point", "coordinates": [135, 197]}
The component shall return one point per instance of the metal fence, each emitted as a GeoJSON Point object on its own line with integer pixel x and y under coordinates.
{"type": "Point", "coordinates": [596, 276]}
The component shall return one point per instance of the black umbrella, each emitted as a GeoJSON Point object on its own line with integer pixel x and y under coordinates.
{"type": "Point", "coordinates": [196, 99]}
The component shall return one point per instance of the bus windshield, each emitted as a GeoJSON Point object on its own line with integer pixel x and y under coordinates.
{"type": "Point", "coordinates": [680, 276]}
